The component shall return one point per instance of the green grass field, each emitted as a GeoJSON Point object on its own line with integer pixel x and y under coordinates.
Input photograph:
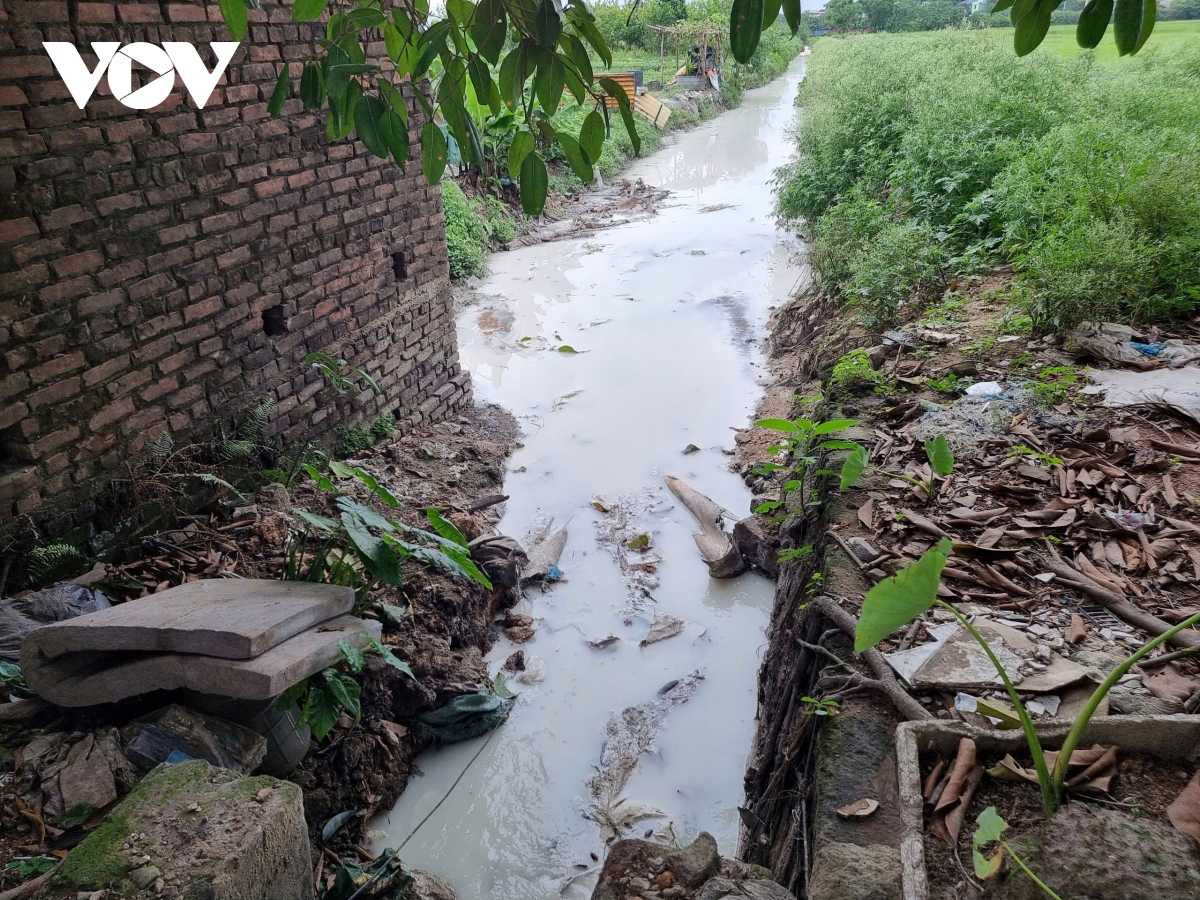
{"type": "Point", "coordinates": [1167, 37]}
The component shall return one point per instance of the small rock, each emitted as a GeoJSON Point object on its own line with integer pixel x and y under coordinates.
{"type": "Point", "coordinates": [261, 796]}
{"type": "Point", "coordinates": [691, 448]}
{"type": "Point", "coordinates": [695, 863]}
{"type": "Point", "coordinates": [145, 876]}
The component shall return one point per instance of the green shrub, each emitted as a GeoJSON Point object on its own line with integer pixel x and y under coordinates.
{"type": "Point", "coordinates": [466, 233]}
{"type": "Point", "coordinates": [383, 427]}
{"type": "Point", "coordinates": [349, 439]}
{"type": "Point", "coordinates": [853, 372]}
{"type": "Point", "coordinates": [946, 151]}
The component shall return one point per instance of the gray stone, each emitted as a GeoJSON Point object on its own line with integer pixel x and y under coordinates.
{"type": "Point", "coordinates": [145, 876]}
{"type": "Point", "coordinates": [854, 872]}
{"type": "Point", "coordinates": [695, 863]}
{"type": "Point", "coordinates": [758, 544]}
{"type": "Point", "coordinates": [426, 886]}
{"type": "Point", "coordinates": [754, 889]}
{"type": "Point", "coordinates": [195, 824]}
{"type": "Point", "coordinates": [1105, 854]}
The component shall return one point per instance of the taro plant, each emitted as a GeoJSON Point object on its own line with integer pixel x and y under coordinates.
{"type": "Point", "coordinates": [990, 829]}
{"type": "Point", "coordinates": [362, 548]}
{"type": "Point", "coordinates": [339, 375]}
{"type": "Point", "coordinates": [325, 696]}
{"type": "Point", "coordinates": [937, 451]}
{"type": "Point", "coordinates": [897, 601]}
{"type": "Point", "coordinates": [803, 442]}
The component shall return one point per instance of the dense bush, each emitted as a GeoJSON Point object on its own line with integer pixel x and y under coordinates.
{"type": "Point", "coordinates": [471, 226]}
{"type": "Point", "coordinates": [937, 152]}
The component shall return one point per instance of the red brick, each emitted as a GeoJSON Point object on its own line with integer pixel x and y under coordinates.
{"type": "Point", "coordinates": [106, 206]}
{"type": "Point", "coordinates": [59, 366]}
{"type": "Point", "coordinates": [101, 373]}
{"type": "Point", "coordinates": [52, 393]}
{"type": "Point", "coordinates": [65, 217]}
{"type": "Point", "coordinates": [124, 131]}
{"type": "Point", "coordinates": [133, 13]}
{"type": "Point", "coordinates": [65, 290]}
{"type": "Point", "coordinates": [97, 13]}
{"type": "Point", "coordinates": [185, 12]}
{"type": "Point", "coordinates": [68, 266]}
{"type": "Point", "coordinates": [11, 95]}
{"type": "Point", "coordinates": [40, 11]}
{"type": "Point", "coordinates": [53, 441]}
{"type": "Point", "coordinates": [15, 229]}
{"type": "Point", "coordinates": [202, 309]}
{"type": "Point", "coordinates": [114, 412]}
{"type": "Point", "coordinates": [12, 413]}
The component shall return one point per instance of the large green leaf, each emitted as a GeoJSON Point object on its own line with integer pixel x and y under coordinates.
{"type": "Point", "coordinates": [354, 656]}
{"type": "Point", "coordinates": [283, 89]}
{"type": "Point", "coordinates": [307, 10]}
{"type": "Point", "coordinates": [1032, 28]}
{"type": "Point", "coordinates": [1133, 20]}
{"type": "Point", "coordinates": [833, 425]}
{"type": "Point", "coordinates": [376, 488]}
{"type": "Point", "coordinates": [745, 28]}
{"type": "Point", "coordinates": [941, 457]}
{"type": "Point", "coordinates": [614, 89]}
{"type": "Point", "coordinates": [445, 527]}
{"type": "Point", "coordinates": [367, 113]}
{"type": "Point", "coordinates": [778, 425]}
{"type": "Point", "coordinates": [986, 866]}
{"type": "Point", "coordinates": [234, 14]}
{"type": "Point", "coordinates": [394, 131]}
{"type": "Point", "coordinates": [521, 146]}
{"type": "Point", "coordinates": [591, 136]}
{"type": "Point", "coordinates": [376, 555]}
{"type": "Point", "coordinates": [312, 86]}
{"type": "Point", "coordinates": [770, 12]}
{"type": "Point", "coordinates": [547, 23]}
{"type": "Point", "coordinates": [1093, 22]}
{"type": "Point", "coordinates": [896, 601]}
{"type": "Point", "coordinates": [510, 79]}
{"type": "Point", "coordinates": [321, 711]}
{"type": "Point", "coordinates": [345, 690]}
{"type": "Point", "coordinates": [394, 661]}
{"type": "Point", "coordinates": [990, 827]}
{"type": "Point", "coordinates": [791, 12]}
{"type": "Point", "coordinates": [534, 183]}
{"type": "Point", "coordinates": [481, 78]}
{"type": "Point", "coordinates": [434, 152]}
{"type": "Point", "coordinates": [549, 82]}
{"type": "Point", "coordinates": [856, 463]}
{"type": "Point", "coordinates": [580, 166]}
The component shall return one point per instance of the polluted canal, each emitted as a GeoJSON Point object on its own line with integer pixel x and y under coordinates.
{"type": "Point", "coordinates": [618, 352]}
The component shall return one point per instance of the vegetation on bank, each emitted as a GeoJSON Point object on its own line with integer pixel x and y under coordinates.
{"type": "Point", "coordinates": [927, 156]}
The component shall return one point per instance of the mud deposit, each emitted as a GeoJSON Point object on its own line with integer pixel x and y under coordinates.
{"type": "Point", "coordinates": [616, 352]}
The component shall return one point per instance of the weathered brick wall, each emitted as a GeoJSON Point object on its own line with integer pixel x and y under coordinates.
{"type": "Point", "coordinates": [139, 252]}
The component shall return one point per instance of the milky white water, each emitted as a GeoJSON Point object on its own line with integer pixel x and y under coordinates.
{"type": "Point", "coordinates": [667, 315]}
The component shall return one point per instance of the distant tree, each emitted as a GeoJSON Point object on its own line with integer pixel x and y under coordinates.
{"type": "Point", "coordinates": [1179, 9]}
{"type": "Point", "coordinates": [843, 15]}
{"type": "Point", "coordinates": [877, 12]}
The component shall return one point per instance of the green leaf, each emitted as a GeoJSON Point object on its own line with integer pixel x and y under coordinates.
{"type": "Point", "coordinates": [837, 445]}
{"type": "Point", "coordinates": [578, 55]}
{"type": "Point", "coordinates": [376, 488]}
{"type": "Point", "coordinates": [394, 131]}
{"type": "Point", "coordinates": [567, 350]}
{"type": "Point", "coordinates": [234, 14]}
{"type": "Point", "coordinates": [315, 474]}
{"type": "Point", "coordinates": [745, 28]}
{"type": "Point", "coordinates": [586, 27]}
{"type": "Point", "coordinates": [941, 457]}
{"type": "Point", "coordinates": [283, 90]}
{"type": "Point", "coordinates": [1001, 6]}
{"type": "Point", "coordinates": [307, 10]}
{"type": "Point", "coordinates": [345, 690]}
{"type": "Point", "coordinates": [986, 867]}
{"type": "Point", "coordinates": [1149, 14]}
{"type": "Point", "coordinates": [355, 658]}
{"type": "Point", "coordinates": [490, 29]}
{"type": "Point", "coordinates": [312, 86]}
{"type": "Point", "coordinates": [510, 83]}
{"type": "Point", "coordinates": [521, 146]}
{"type": "Point", "coordinates": [434, 152]}
{"type": "Point", "coordinates": [614, 89]}
{"type": "Point", "coordinates": [319, 522]}
{"type": "Point", "coordinates": [462, 10]}
{"type": "Point", "coordinates": [320, 712]}
{"type": "Point", "coordinates": [534, 184]}
{"type": "Point", "coordinates": [367, 113]}
{"type": "Point", "coordinates": [391, 659]}
{"type": "Point", "coordinates": [896, 601]}
{"type": "Point", "coordinates": [580, 166]}
{"type": "Point", "coordinates": [501, 688]}
{"type": "Point", "coordinates": [363, 18]}
{"type": "Point", "coordinates": [856, 463]}
{"type": "Point", "coordinates": [833, 425]}
{"type": "Point", "coordinates": [285, 700]}
{"type": "Point", "coordinates": [1093, 23]}
{"type": "Point", "coordinates": [1032, 28]}
{"type": "Point", "coordinates": [547, 23]}
{"type": "Point", "coordinates": [370, 518]}
{"type": "Point", "coordinates": [791, 12]}
{"type": "Point", "coordinates": [393, 613]}
{"type": "Point", "coordinates": [990, 827]}
{"type": "Point", "coordinates": [340, 469]}
{"type": "Point", "coordinates": [778, 425]}
{"type": "Point", "coordinates": [770, 12]}
{"type": "Point", "coordinates": [432, 43]}
{"type": "Point", "coordinates": [445, 527]}
{"type": "Point", "coordinates": [376, 554]}
{"type": "Point", "coordinates": [481, 77]}
{"type": "Point", "coordinates": [75, 816]}
{"type": "Point", "coordinates": [591, 136]}
{"type": "Point", "coordinates": [549, 82]}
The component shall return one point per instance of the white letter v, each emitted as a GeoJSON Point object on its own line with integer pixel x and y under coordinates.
{"type": "Point", "coordinates": [199, 82]}
{"type": "Point", "coordinates": [79, 81]}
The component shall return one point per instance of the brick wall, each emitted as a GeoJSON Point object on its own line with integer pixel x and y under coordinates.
{"type": "Point", "coordinates": [139, 252]}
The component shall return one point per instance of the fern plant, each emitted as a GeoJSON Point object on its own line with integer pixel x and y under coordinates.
{"type": "Point", "coordinates": [53, 562]}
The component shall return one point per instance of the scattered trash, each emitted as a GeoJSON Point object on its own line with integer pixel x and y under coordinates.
{"type": "Point", "coordinates": [502, 559]}
{"type": "Point", "coordinates": [664, 626]}
{"type": "Point", "coordinates": [1175, 389]}
{"type": "Point", "coordinates": [1119, 344]}
{"type": "Point", "coordinates": [534, 671]}
{"type": "Point", "coordinates": [607, 640]}
{"type": "Point", "coordinates": [466, 716]}
{"type": "Point", "coordinates": [23, 615]}
{"type": "Point", "coordinates": [176, 731]}
{"type": "Point", "coordinates": [987, 389]}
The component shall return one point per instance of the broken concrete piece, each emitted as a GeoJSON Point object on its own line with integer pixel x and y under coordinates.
{"type": "Point", "coordinates": [722, 557]}
{"type": "Point", "coordinates": [199, 825]}
{"type": "Point", "coordinates": [664, 626]}
{"type": "Point", "coordinates": [233, 618]}
{"type": "Point", "coordinates": [599, 642]}
{"type": "Point", "coordinates": [88, 678]}
{"type": "Point", "coordinates": [959, 664]}
{"type": "Point", "coordinates": [87, 777]}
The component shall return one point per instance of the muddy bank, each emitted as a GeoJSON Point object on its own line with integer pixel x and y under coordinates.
{"type": "Point", "coordinates": [439, 623]}
{"type": "Point", "coordinates": [1092, 548]}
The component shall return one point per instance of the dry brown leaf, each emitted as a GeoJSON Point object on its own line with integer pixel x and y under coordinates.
{"type": "Point", "coordinates": [866, 513]}
{"type": "Point", "coordinates": [1170, 682]}
{"type": "Point", "coordinates": [1077, 630]}
{"type": "Point", "coordinates": [1184, 811]}
{"type": "Point", "coordinates": [956, 794]}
